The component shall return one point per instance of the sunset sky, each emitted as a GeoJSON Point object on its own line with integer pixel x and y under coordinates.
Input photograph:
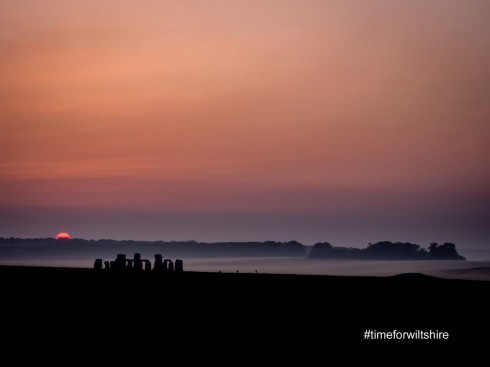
{"type": "Point", "coordinates": [346, 121]}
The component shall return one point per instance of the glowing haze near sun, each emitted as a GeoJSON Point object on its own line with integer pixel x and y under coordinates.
{"type": "Point", "coordinates": [63, 236]}
{"type": "Point", "coordinates": [342, 121]}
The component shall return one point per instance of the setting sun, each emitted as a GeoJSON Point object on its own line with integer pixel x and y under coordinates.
{"type": "Point", "coordinates": [63, 236]}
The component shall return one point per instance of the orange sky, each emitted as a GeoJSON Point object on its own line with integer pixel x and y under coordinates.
{"type": "Point", "coordinates": [349, 121]}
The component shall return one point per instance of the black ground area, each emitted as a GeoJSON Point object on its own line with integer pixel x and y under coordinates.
{"type": "Point", "coordinates": [210, 316]}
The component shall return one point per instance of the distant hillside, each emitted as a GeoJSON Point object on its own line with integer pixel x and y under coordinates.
{"type": "Point", "coordinates": [50, 247]}
{"type": "Point", "coordinates": [387, 251]}
{"type": "Point", "coordinates": [11, 248]}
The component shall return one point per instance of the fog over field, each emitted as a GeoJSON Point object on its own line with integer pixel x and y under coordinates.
{"type": "Point", "coordinates": [477, 270]}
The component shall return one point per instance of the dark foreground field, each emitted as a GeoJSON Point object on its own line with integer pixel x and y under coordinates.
{"type": "Point", "coordinates": [84, 311]}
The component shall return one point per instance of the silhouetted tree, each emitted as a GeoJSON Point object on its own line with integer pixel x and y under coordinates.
{"type": "Point", "coordinates": [446, 251]}
{"type": "Point", "coordinates": [386, 250]}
